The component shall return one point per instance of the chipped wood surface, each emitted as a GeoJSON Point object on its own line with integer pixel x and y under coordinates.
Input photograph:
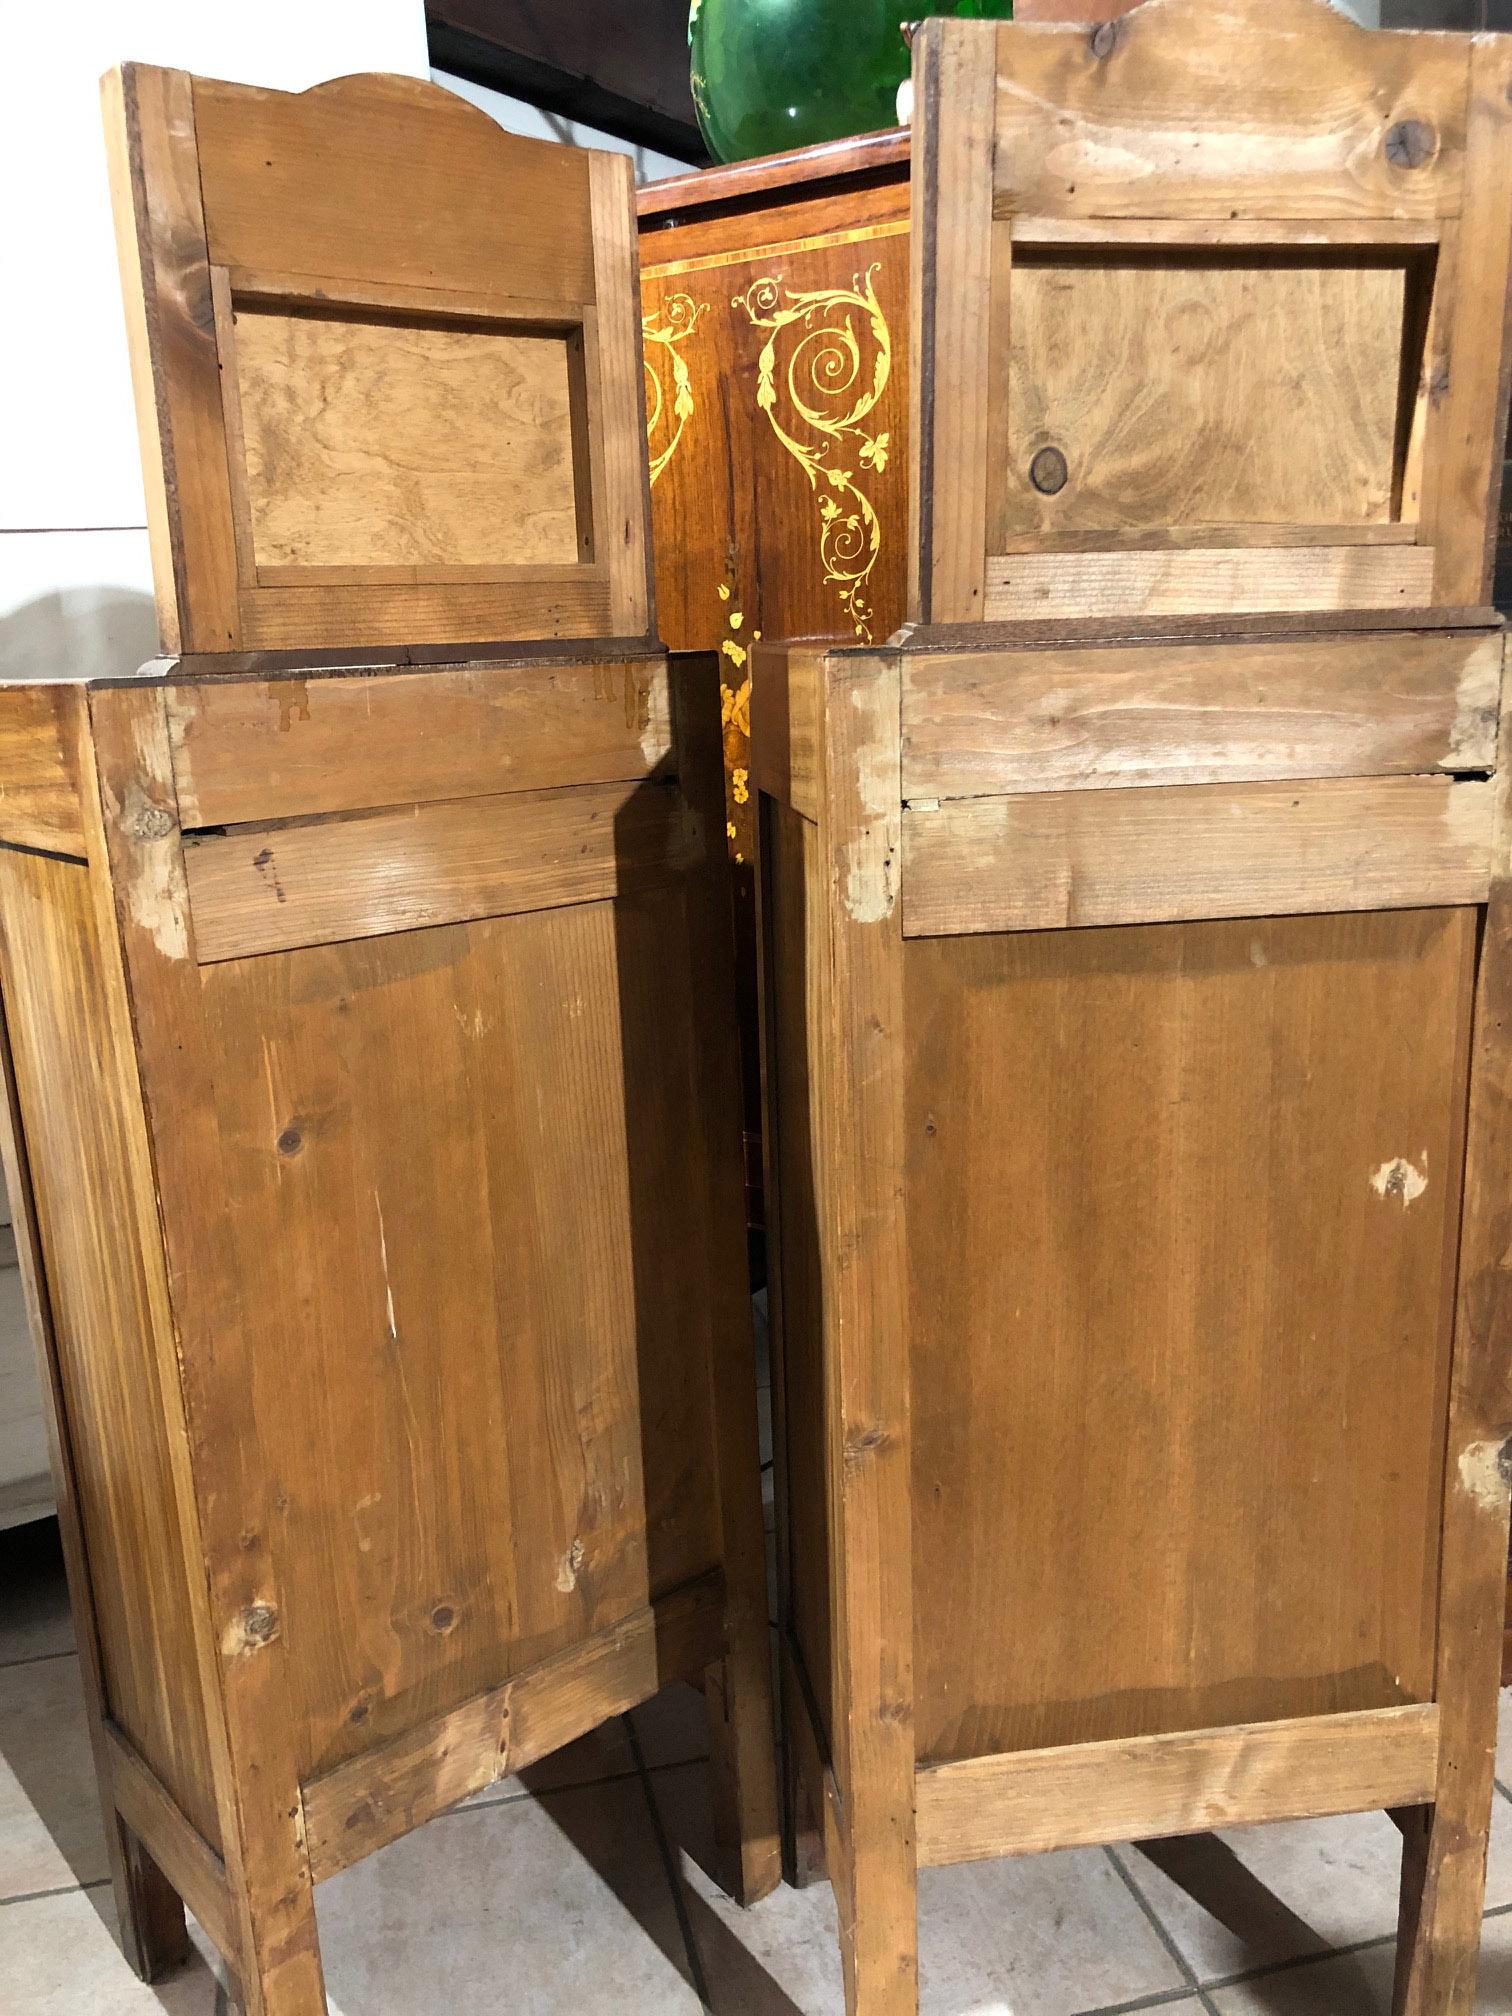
{"type": "Point", "coordinates": [979, 725]}
{"type": "Point", "coordinates": [246, 750]}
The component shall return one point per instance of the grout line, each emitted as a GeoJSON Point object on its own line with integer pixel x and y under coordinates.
{"type": "Point", "coordinates": [1501, 1788]}
{"type": "Point", "coordinates": [1296, 1960]}
{"type": "Point", "coordinates": [1166, 1999]}
{"type": "Point", "coordinates": [1188, 1972]}
{"type": "Point", "coordinates": [59, 1890]}
{"type": "Point", "coordinates": [39, 1658]}
{"type": "Point", "coordinates": [669, 1865]}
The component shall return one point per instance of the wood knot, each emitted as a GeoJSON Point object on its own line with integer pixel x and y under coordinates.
{"type": "Point", "coordinates": [1410, 143]}
{"type": "Point", "coordinates": [151, 822]}
{"type": "Point", "coordinates": [290, 1141]}
{"type": "Point", "coordinates": [443, 1617]}
{"type": "Point", "coordinates": [1048, 471]}
{"type": "Point", "coordinates": [1105, 39]}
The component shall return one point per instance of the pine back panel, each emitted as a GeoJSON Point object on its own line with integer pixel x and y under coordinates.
{"type": "Point", "coordinates": [387, 368]}
{"type": "Point", "coordinates": [1207, 314]}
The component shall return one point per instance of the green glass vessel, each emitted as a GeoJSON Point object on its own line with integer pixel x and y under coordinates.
{"type": "Point", "coordinates": [773, 74]}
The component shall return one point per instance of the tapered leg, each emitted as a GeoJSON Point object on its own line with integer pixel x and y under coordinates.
{"type": "Point", "coordinates": [877, 1899]}
{"type": "Point", "coordinates": [280, 1972]}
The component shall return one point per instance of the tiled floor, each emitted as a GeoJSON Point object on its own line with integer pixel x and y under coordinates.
{"type": "Point", "coordinates": [580, 1890]}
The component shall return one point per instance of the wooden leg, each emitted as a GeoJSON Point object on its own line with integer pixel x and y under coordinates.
{"type": "Point", "coordinates": [154, 1937]}
{"type": "Point", "coordinates": [281, 1972]}
{"type": "Point", "coordinates": [740, 1758]}
{"type": "Point", "coordinates": [877, 1898]}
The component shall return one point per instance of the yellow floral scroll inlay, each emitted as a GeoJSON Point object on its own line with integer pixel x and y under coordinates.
{"type": "Point", "coordinates": [833, 335]}
{"type": "Point", "coordinates": [669, 389]}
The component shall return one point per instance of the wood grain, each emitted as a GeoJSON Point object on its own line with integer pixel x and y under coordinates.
{"type": "Point", "coordinates": [1036, 1801]}
{"type": "Point", "coordinates": [404, 432]}
{"type": "Point", "coordinates": [382, 1794]}
{"type": "Point", "coordinates": [248, 750]}
{"type": "Point", "coordinates": [394, 179]}
{"type": "Point", "coordinates": [1444, 1845]}
{"type": "Point", "coordinates": [152, 147]}
{"type": "Point", "coordinates": [270, 889]}
{"type": "Point", "coordinates": [954, 255]}
{"type": "Point", "coordinates": [1246, 1386]}
{"type": "Point", "coordinates": [66, 1045]}
{"type": "Point", "coordinates": [858, 1071]}
{"type": "Point", "coordinates": [39, 769]}
{"type": "Point", "coordinates": [1148, 126]}
{"type": "Point", "coordinates": [1048, 859]}
{"type": "Point", "coordinates": [1468, 463]}
{"type": "Point", "coordinates": [193, 1867]}
{"type": "Point", "coordinates": [149, 1912]}
{"type": "Point", "coordinates": [1183, 581]}
{"type": "Point", "coordinates": [1003, 722]}
{"type": "Point", "coordinates": [364, 449]}
{"type": "Point", "coordinates": [1259, 390]}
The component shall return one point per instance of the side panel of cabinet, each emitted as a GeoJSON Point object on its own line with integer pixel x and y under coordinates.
{"type": "Point", "coordinates": [71, 1058]}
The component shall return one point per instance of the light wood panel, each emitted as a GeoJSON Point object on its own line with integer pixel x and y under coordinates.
{"type": "Point", "coordinates": [365, 428]}
{"type": "Point", "coordinates": [1204, 850]}
{"type": "Point", "coordinates": [1145, 124]}
{"type": "Point", "coordinates": [1246, 1386]}
{"type": "Point", "coordinates": [269, 889]}
{"type": "Point", "coordinates": [1151, 1787]}
{"type": "Point", "coordinates": [951, 252]}
{"type": "Point", "coordinates": [1052, 720]}
{"type": "Point", "coordinates": [39, 768]}
{"type": "Point", "coordinates": [1242, 390]}
{"type": "Point", "coordinates": [1190, 581]}
{"type": "Point", "coordinates": [413, 444]}
{"type": "Point", "coordinates": [246, 750]}
{"type": "Point", "coordinates": [393, 179]}
{"type": "Point", "coordinates": [66, 1045]}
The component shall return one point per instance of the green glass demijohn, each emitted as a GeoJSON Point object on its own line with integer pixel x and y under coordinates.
{"type": "Point", "coordinates": [773, 74]}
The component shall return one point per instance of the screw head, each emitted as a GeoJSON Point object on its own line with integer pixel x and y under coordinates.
{"type": "Point", "coordinates": [1048, 472]}
{"type": "Point", "coordinates": [1409, 143]}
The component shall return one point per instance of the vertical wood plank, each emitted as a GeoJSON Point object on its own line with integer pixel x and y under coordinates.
{"type": "Point", "coordinates": [859, 1079]}
{"type": "Point", "coordinates": [622, 515]}
{"type": "Point", "coordinates": [149, 1912]}
{"type": "Point", "coordinates": [262, 1813]}
{"type": "Point", "coordinates": [170, 325]}
{"type": "Point", "coordinates": [1467, 461]}
{"type": "Point", "coordinates": [1444, 1846]}
{"type": "Point", "coordinates": [954, 284]}
{"type": "Point", "coordinates": [739, 1687]}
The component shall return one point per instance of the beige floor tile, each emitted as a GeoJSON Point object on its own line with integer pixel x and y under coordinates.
{"type": "Point", "coordinates": [1044, 1936]}
{"type": "Point", "coordinates": [34, 1615]}
{"type": "Point", "coordinates": [59, 1957]}
{"type": "Point", "coordinates": [51, 1834]}
{"type": "Point", "coordinates": [1259, 1894]}
{"type": "Point", "coordinates": [1359, 1984]}
{"type": "Point", "coordinates": [1504, 1738]}
{"type": "Point", "coordinates": [559, 1904]}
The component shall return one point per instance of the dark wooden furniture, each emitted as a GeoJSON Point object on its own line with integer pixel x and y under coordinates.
{"type": "Point", "coordinates": [1137, 984]}
{"type": "Point", "coordinates": [369, 1066]}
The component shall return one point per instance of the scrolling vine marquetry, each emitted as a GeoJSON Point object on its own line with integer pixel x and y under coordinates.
{"type": "Point", "coordinates": [669, 407]}
{"type": "Point", "coordinates": [824, 371]}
